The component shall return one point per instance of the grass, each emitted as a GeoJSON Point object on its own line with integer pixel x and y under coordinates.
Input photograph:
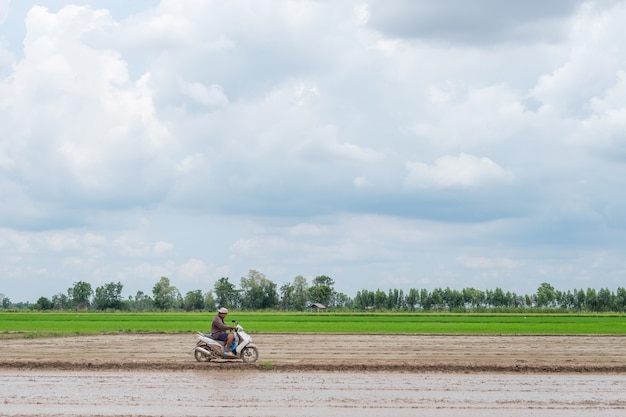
{"type": "Point", "coordinates": [34, 324]}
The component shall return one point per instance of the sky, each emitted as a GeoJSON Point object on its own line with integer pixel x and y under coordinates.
{"type": "Point", "coordinates": [383, 143]}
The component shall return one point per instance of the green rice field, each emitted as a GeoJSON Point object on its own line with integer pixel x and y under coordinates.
{"type": "Point", "coordinates": [31, 324]}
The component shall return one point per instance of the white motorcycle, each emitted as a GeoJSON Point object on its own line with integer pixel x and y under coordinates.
{"type": "Point", "coordinates": [208, 348]}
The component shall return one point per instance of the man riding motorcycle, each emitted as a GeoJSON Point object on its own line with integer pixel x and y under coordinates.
{"type": "Point", "coordinates": [220, 331]}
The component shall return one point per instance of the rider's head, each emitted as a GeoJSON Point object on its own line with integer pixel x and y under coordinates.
{"type": "Point", "coordinates": [223, 311]}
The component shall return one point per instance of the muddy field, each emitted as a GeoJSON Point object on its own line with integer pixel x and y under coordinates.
{"type": "Point", "coordinates": [328, 352]}
{"type": "Point", "coordinates": [316, 375]}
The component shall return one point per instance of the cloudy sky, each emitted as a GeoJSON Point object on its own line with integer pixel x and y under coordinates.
{"type": "Point", "coordinates": [384, 143]}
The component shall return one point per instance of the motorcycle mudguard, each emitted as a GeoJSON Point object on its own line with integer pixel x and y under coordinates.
{"type": "Point", "coordinates": [240, 347]}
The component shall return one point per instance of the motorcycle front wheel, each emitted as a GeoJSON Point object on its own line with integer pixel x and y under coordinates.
{"type": "Point", "coordinates": [249, 354]}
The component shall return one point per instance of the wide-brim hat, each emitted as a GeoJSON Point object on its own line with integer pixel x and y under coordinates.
{"type": "Point", "coordinates": [223, 310]}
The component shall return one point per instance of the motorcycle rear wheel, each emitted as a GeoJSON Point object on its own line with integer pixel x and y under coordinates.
{"type": "Point", "coordinates": [201, 357]}
{"type": "Point", "coordinates": [249, 354]}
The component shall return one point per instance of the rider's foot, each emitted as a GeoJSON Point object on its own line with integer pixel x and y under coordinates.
{"type": "Point", "coordinates": [228, 355]}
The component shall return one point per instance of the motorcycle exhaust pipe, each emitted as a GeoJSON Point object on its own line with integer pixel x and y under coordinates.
{"type": "Point", "coordinates": [204, 351]}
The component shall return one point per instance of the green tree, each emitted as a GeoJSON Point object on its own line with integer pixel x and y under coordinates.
{"type": "Point", "coordinates": [580, 298]}
{"type": "Point", "coordinates": [225, 294]}
{"type": "Point", "coordinates": [286, 297]}
{"type": "Point", "coordinates": [436, 297]}
{"type": "Point", "coordinates": [395, 299]}
{"type": "Point", "coordinates": [591, 300]}
{"type": "Point", "coordinates": [166, 296]}
{"type": "Point", "coordinates": [300, 293]}
{"type": "Point", "coordinates": [142, 302]}
{"type": "Point", "coordinates": [546, 295]}
{"type": "Point", "coordinates": [60, 301]}
{"type": "Point", "coordinates": [380, 299]}
{"type": "Point", "coordinates": [341, 300]}
{"type": "Point", "coordinates": [620, 299]}
{"type": "Point", "coordinates": [209, 301]}
{"type": "Point", "coordinates": [426, 300]}
{"type": "Point", "coordinates": [568, 300]}
{"type": "Point", "coordinates": [44, 303]}
{"type": "Point", "coordinates": [364, 300]}
{"type": "Point", "coordinates": [322, 289]}
{"type": "Point", "coordinates": [412, 299]}
{"type": "Point", "coordinates": [5, 302]}
{"type": "Point", "coordinates": [473, 297]}
{"type": "Point", "coordinates": [194, 300]}
{"type": "Point", "coordinates": [80, 295]}
{"type": "Point", "coordinates": [605, 300]}
{"type": "Point", "coordinates": [258, 292]}
{"type": "Point", "coordinates": [109, 296]}
{"type": "Point", "coordinates": [496, 298]}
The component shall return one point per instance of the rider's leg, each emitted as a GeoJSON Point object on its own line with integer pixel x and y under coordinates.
{"type": "Point", "coordinates": [229, 341]}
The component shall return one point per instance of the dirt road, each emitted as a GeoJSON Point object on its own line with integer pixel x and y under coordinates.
{"type": "Point", "coordinates": [328, 352]}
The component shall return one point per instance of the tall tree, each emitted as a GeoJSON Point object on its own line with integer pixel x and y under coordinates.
{"type": "Point", "coordinates": [60, 301]}
{"type": "Point", "coordinates": [341, 300]}
{"type": "Point", "coordinates": [286, 297]}
{"type": "Point", "coordinates": [436, 298]}
{"type": "Point", "coordinates": [225, 294]}
{"type": "Point", "coordinates": [5, 301]}
{"type": "Point", "coordinates": [591, 300]}
{"type": "Point", "coordinates": [322, 289]}
{"type": "Point", "coordinates": [209, 301]}
{"type": "Point", "coordinates": [80, 294]}
{"type": "Point", "coordinates": [194, 300]}
{"type": "Point", "coordinates": [380, 299]}
{"type": "Point", "coordinates": [473, 297]}
{"type": "Point", "coordinates": [258, 292]}
{"type": "Point", "coordinates": [546, 296]}
{"type": "Point", "coordinates": [412, 299]}
{"type": "Point", "coordinates": [109, 296]}
{"type": "Point", "coordinates": [166, 296]}
{"type": "Point", "coordinates": [300, 293]}
{"type": "Point", "coordinates": [44, 304]}
{"type": "Point", "coordinates": [426, 299]}
{"type": "Point", "coordinates": [142, 301]}
{"type": "Point", "coordinates": [364, 300]}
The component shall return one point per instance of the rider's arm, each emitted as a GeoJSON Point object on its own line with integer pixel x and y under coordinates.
{"type": "Point", "coordinates": [219, 325]}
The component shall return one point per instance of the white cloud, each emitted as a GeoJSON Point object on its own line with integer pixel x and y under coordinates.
{"type": "Point", "coordinates": [361, 182]}
{"type": "Point", "coordinates": [386, 140]}
{"type": "Point", "coordinates": [484, 22]}
{"type": "Point", "coordinates": [162, 247]}
{"type": "Point", "coordinates": [4, 9]}
{"type": "Point", "coordinates": [211, 96]}
{"type": "Point", "coordinates": [306, 229]}
{"type": "Point", "coordinates": [592, 65]}
{"type": "Point", "coordinates": [91, 131]}
{"type": "Point", "coordinates": [23, 243]}
{"type": "Point", "coordinates": [462, 171]}
{"type": "Point", "coordinates": [6, 58]}
{"type": "Point", "coordinates": [482, 262]}
{"type": "Point", "coordinates": [192, 269]}
{"type": "Point", "coordinates": [469, 117]}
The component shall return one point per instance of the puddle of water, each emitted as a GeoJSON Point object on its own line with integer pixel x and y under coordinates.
{"type": "Point", "coordinates": [177, 394]}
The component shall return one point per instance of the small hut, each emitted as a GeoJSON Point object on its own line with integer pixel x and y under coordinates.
{"type": "Point", "coordinates": [318, 307]}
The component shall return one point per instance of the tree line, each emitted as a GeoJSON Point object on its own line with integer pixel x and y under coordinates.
{"type": "Point", "coordinates": [257, 292]}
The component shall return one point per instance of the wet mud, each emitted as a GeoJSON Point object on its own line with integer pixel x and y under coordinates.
{"type": "Point", "coordinates": [315, 375]}
{"type": "Point", "coordinates": [327, 352]}
{"type": "Point", "coordinates": [350, 394]}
